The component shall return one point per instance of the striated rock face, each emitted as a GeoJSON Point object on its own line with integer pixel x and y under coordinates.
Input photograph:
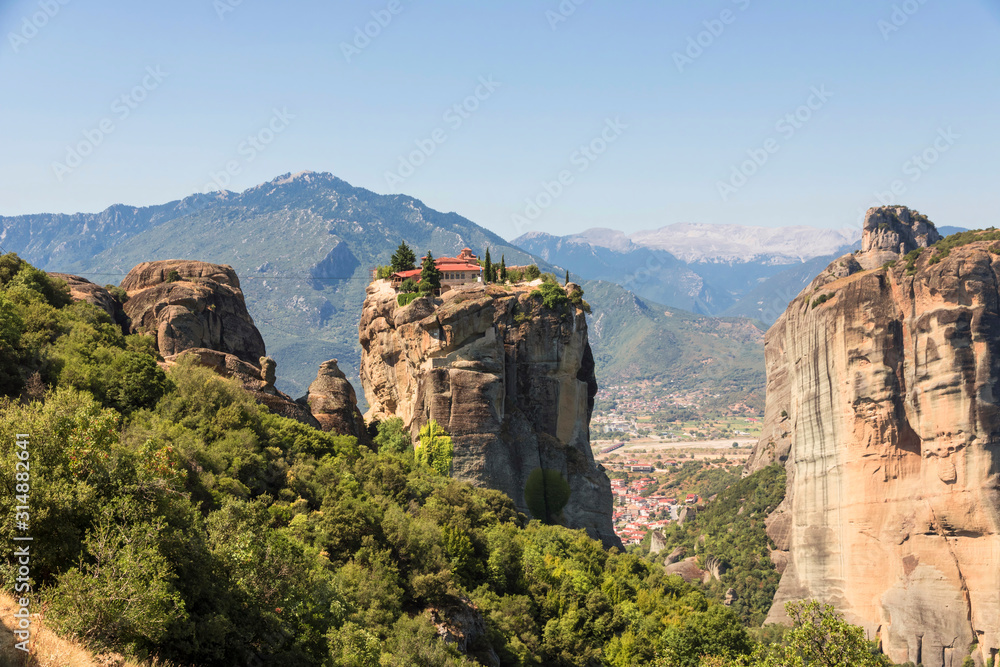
{"type": "Point", "coordinates": [882, 402]}
{"type": "Point", "coordinates": [332, 401]}
{"type": "Point", "coordinates": [189, 304]}
{"type": "Point", "coordinates": [511, 382]}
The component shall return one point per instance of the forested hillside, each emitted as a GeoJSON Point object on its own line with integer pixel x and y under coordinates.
{"type": "Point", "coordinates": [174, 518]}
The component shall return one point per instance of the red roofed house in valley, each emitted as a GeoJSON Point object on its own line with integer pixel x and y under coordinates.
{"type": "Point", "coordinates": [454, 271]}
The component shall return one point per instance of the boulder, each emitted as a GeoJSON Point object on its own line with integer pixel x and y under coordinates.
{"type": "Point", "coordinates": [188, 304]}
{"type": "Point", "coordinates": [332, 401]}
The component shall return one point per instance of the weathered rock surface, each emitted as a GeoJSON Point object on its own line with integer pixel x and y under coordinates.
{"type": "Point", "coordinates": [332, 401]}
{"type": "Point", "coordinates": [512, 383]}
{"type": "Point", "coordinates": [688, 570]}
{"type": "Point", "coordinates": [882, 402]}
{"type": "Point", "coordinates": [189, 304]}
{"type": "Point", "coordinates": [249, 375]}
{"type": "Point", "coordinates": [82, 289]}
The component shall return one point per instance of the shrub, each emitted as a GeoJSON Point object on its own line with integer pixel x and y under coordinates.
{"type": "Point", "coordinates": [122, 593]}
{"type": "Point", "coordinates": [821, 299]}
{"type": "Point", "coordinates": [407, 299]}
{"type": "Point", "coordinates": [173, 276]}
{"type": "Point", "coordinates": [408, 286]}
{"type": "Point", "coordinates": [552, 294]}
{"type": "Point", "coordinates": [532, 272]}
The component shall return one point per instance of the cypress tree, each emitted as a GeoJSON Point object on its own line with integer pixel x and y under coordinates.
{"type": "Point", "coordinates": [503, 270]}
{"type": "Point", "coordinates": [567, 277]}
{"type": "Point", "coordinates": [488, 268]}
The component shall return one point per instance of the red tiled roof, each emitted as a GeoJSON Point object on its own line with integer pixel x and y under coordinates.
{"type": "Point", "coordinates": [443, 264]}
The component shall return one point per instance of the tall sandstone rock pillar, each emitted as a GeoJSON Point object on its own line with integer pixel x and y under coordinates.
{"type": "Point", "coordinates": [883, 390]}
{"type": "Point", "coordinates": [512, 382]}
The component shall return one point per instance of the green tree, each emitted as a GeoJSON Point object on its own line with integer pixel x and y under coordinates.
{"type": "Point", "coordinates": [435, 448]}
{"type": "Point", "coordinates": [488, 271]}
{"type": "Point", "coordinates": [819, 637]}
{"type": "Point", "coordinates": [403, 259]}
{"type": "Point", "coordinates": [532, 272]}
{"type": "Point", "coordinates": [430, 275]}
{"type": "Point", "coordinates": [566, 282]}
{"type": "Point", "coordinates": [408, 286]}
{"type": "Point", "coordinates": [393, 438]}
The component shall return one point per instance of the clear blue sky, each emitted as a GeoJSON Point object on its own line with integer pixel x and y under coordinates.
{"type": "Point", "coordinates": [687, 127]}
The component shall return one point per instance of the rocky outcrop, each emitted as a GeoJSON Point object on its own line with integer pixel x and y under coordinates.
{"type": "Point", "coordinates": [249, 375]}
{"type": "Point", "coordinates": [512, 382]}
{"type": "Point", "coordinates": [81, 289]}
{"type": "Point", "coordinates": [332, 401]}
{"type": "Point", "coordinates": [188, 304]}
{"type": "Point", "coordinates": [892, 231]}
{"type": "Point", "coordinates": [882, 403]}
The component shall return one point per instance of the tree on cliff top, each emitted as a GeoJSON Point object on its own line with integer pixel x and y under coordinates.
{"type": "Point", "coordinates": [403, 259]}
{"type": "Point", "coordinates": [489, 274]}
{"type": "Point", "coordinates": [430, 276]}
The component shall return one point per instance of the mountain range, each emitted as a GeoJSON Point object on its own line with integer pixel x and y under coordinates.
{"type": "Point", "coordinates": [720, 270]}
{"type": "Point", "coordinates": [304, 246]}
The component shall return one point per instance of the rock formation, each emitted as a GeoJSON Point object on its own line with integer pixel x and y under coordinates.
{"type": "Point", "coordinates": [190, 304]}
{"type": "Point", "coordinates": [882, 403]}
{"type": "Point", "coordinates": [196, 310]}
{"type": "Point", "coordinates": [512, 382]}
{"type": "Point", "coordinates": [332, 401]}
{"type": "Point", "coordinates": [81, 289]}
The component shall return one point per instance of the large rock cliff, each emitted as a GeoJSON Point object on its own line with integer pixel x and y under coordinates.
{"type": "Point", "coordinates": [882, 403]}
{"type": "Point", "coordinates": [189, 304]}
{"type": "Point", "coordinates": [511, 381]}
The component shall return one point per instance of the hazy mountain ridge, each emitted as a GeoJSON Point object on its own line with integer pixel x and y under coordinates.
{"type": "Point", "coordinates": [303, 246]}
{"type": "Point", "coordinates": [726, 270]}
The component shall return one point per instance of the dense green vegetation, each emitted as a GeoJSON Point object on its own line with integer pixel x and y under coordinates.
{"type": "Point", "coordinates": [175, 517]}
{"type": "Point", "coordinates": [944, 247]}
{"type": "Point", "coordinates": [191, 524]}
{"type": "Point", "coordinates": [731, 530]}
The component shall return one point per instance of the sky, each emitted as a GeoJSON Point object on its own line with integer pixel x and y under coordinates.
{"type": "Point", "coordinates": [525, 115]}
